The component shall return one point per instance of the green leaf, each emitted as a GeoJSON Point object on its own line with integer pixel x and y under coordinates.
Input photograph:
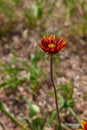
{"type": "Point", "coordinates": [37, 122]}
{"type": "Point", "coordinates": [3, 128]}
{"type": "Point", "coordinates": [73, 125]}
{"type": "Point", "coordinates": [8, 114]}
{"type": "Point", "coordinates": [33, 109]}
{"type": "Point", "coordinates": [37, 10]}
{"type": "Point", "coordinates": [59, 127]}
{"type": "Point", "coordinates": [26, 120]}
{"type": "Point", "coordinates": [51, 118]}
{"type": "Point", "coordinates": [74, 114]}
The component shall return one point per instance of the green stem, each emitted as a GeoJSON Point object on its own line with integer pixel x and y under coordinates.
{"type": "Point", "coordinates": [2, 126]}
{"type": "Point", "coordinates": [65, 127]}
{"type": "Point", "coordinates": [74, 114]}
{"type": "Point", "coordinates": [2, 108]}
{"type": "Point", "coordinates": [55, 93]}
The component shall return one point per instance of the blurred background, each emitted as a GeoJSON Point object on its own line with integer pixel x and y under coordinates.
{"type": "Point", "coordinates": [25, 88]}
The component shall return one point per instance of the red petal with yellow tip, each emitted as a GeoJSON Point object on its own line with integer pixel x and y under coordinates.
{"type": "Point", "coordinates": [59, 40]}
{"type": "Point", "coordinates": [84, 125]}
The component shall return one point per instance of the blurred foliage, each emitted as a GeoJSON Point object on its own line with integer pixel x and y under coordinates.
{"type": "Point", "coordinates": [12, 74]}
{"type": "Point", "coordinates": [33, 72]}
{"type": "Point", "coordinates": [8, 17]}
{"type": "Point", "coordinates": [12, 79]}
{"type": "Point", "coordinates": [6, 9]}
{"type": "Point", "coordinates": [33, 15]}
{"type": "Point", "coordinates": [37, 15]}
{"type": "Point", "coordinates": [76, 14]}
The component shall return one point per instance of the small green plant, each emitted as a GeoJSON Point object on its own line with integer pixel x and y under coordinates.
{"type": "Point", "coordinates": [11, 79]}
{"type": "Point", "coordinates": [10, 73]}
{"type": "Point", "coordinates": [35, 120]}
{"type": "Point", "coordinates": [67, 102]}
{"type": "Point", "coordinates": [33, 72]}
{"type": "Point", "coordinates": [33, 15]}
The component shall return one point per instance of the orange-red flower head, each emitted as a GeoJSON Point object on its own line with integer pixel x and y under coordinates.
{"type": "Point", "coordinates": [50, 45]}
{"type": "Point", "coordinates": [84, 125]}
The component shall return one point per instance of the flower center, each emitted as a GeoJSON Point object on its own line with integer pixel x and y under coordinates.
{"type": "Point", "coordinates": [51, 45]}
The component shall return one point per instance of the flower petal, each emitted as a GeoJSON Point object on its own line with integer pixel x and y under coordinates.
{"type": "Point", "coordinates": [52, 37]}
{"type": "Point", "coordinates": [44, 48]}
{"type": "Point", "coordinates": [61, 46]}
{"type": "Point", "coordinates": [59, 41]}
{"type": "Point", "coordinates": [84, 125]}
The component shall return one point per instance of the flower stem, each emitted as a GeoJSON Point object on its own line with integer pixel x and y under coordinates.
{"type": "Point", "coordinates": [55, 93]}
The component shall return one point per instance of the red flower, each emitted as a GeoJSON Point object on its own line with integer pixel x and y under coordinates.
{"type": "Point", "coordinates": [84, 125]}
{"type": "Point", "coordinates": [50, 45]}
